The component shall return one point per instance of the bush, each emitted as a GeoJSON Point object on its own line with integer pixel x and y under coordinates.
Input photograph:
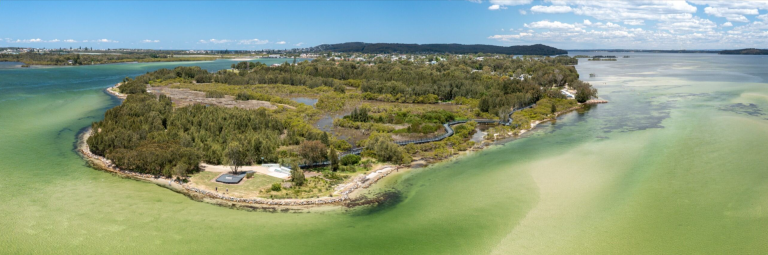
{"type": "Point", "coordinates": [381, 147]}
{"type": "Point", "coordinates": [331, 175]}
{"type": "Point", "coordinates": [350, 169]}
{"type": "Point", "coordinates": [249, 175]}
{"type": "Point", "coordinates": [341, 145]}
{"type": "Point", "coordinates": [276, 186]}
{"type": "Point", "coordinates": [242, 96]}
{"type": "Point", "coordinates": [350, 159]}
{"type": "Point", "coordinates": [214, 94]}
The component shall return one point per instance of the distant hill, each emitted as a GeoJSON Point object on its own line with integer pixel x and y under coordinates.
{"type": "Point", "coordinates": [374, 48]}
{"type": "Point", "coordinates": [745, 52]}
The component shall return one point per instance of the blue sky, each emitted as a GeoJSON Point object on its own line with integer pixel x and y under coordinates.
{"type": "Point", "coordinates": [567, 24]}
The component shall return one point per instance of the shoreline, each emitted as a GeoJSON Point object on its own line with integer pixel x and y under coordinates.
{"type": "Point", "coordinates": [350, 193]}
{"type": "Point", "coordinates": [113, 63]}
{"type": "Point", "coordinates": [114, 91]}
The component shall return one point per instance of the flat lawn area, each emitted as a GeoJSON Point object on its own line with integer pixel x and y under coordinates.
{"type": "Point", "coordinates": [247, 187]}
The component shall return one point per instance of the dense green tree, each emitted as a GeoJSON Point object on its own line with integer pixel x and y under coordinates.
{"type": "Point", "coordinates": [350, 159]}
{"type": "Point", "coordinates": [236, 156]}
{"type": "Point", "coordinates": [584, 91]}
{"type": "Point", "coordinates": [297, 175]}
{"type": "Point", "coordinates": [334, 157]}
{"type": "Point", "coordinates": [313, 151]}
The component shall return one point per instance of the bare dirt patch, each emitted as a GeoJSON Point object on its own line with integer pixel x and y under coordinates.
{"type": "Point", "coordinates": [186, 97]}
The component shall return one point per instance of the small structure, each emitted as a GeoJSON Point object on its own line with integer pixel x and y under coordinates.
{"type": "Point", "coordinates": [232, 178]}
{"type": "Point", "coordinates": [567, 94]}
{"type": "Point", "coordinates": [278, 171]}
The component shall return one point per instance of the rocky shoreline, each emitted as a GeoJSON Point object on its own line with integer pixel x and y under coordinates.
{"type": "Point", "coordinates": [359, 182]}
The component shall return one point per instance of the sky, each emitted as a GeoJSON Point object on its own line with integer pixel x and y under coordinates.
{"type": "Point", "coordinates": [254, 25]}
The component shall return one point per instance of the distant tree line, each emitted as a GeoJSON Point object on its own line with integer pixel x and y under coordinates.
{"type": "Point", "coordinates": [537, 49]}
{"type": "Point", "coordinates": [33, 58]}
{"type": "Point", "coordinates": [745, 52]}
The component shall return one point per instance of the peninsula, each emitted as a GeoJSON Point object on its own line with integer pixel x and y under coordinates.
{"type": "Point", "coordinates": [316, 132]}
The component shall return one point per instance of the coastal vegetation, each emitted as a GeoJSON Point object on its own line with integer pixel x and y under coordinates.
{"type": "Point", "coordinates": [383, 101]}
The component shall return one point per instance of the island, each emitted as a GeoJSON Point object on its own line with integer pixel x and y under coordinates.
{"type": "Point", "coordinates": [309, 133]}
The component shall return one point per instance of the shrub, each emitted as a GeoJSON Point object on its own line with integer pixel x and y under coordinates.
{"type": "Point", "coordinates": [214, 94]}
{"type": "Point", "coordinates": [350, 159]}
{"type": "Point", "coordinates": [242, 96]}
{"type": "Point", "coordinates": [341, 145]}
{"type": "Point", "coordinates": [331, 175]}
{"type": "Point", "coordinates": [276, 186]}
{"type": "Point", "coordinates": [249, 175]}
{"type": "Point", "coordinates": [381, 147]}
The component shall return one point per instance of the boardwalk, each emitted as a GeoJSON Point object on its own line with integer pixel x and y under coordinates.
{"type": "Point", "coordinates": [448, 133]}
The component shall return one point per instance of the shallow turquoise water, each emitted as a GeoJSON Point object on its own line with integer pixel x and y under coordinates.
{"type": "Point", "coordinates": [674, 164]}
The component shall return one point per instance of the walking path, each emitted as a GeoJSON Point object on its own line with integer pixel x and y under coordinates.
{"type": "Point", "coordinates": [448, 133]}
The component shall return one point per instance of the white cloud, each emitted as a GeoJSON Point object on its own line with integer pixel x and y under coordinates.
{"type": "Point", "coordinates": [674, 24]}
{"type": "Point", "coordinates": [253, 41]}
{"type": "Point", "coordinates": [620, 10]}
{"type": "Point", "coordinates": [608, 25]}
{"type": "Point", "coordinates": [694, 24]}
{"type": "Point", "coordinates": [522, 12]}
{"type": "Point", "coordinates": [35, 40]}
{"type": "Point", "coordinates": [733, 10]}
{"type": "Point", "coordinates": [553, 25]}
{"type": "Point", "coordinates": [509, 37]}
{"type": "Point", "coordinates": [731, 14]}
{"type": "Point", "coordinates": [299, 44]}
{"type": "Point", "coordinates": [510, 2]}
{"type": "Point", "coordinates": [54, 40]}
{"type": "Point", "coordinates": [551, 9]}
{"type": "Point", "coordinates": [70, 41]}
{"type": "Point", "coordinates": [215, 41]}
{"type": "Point", "coordinates": [150, 41]}
{"type": "Point", "coordinates": [280, 42]}
{"type": "Point", "coordinates": [634, 22]}
{"type": "Point", "coordinates": [502, 4]}
{"type": "Point", "coordinates": [750, 4]}
{"type": "Point", "coordinates": [103, 41]}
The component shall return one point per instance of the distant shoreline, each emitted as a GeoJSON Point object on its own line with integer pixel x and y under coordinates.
{"type": "Point", "coordinates": [719, 52]}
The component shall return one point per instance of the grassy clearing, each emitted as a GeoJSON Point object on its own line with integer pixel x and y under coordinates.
{"type": "Point", "coordinates": [248, 187]}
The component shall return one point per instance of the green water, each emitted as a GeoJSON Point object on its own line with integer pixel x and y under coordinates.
{"type": "Point", "coordinates": [675, 164]}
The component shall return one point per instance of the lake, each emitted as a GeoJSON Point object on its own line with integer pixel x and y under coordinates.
{"type": "Point", "coordinates": [675, 163]}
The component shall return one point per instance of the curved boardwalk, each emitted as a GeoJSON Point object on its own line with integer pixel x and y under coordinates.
{"type": "Point", "coordinates": [448, 133]}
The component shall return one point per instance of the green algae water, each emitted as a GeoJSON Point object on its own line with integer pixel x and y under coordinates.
{"type": "Point", "coordinates": [674, 164]}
